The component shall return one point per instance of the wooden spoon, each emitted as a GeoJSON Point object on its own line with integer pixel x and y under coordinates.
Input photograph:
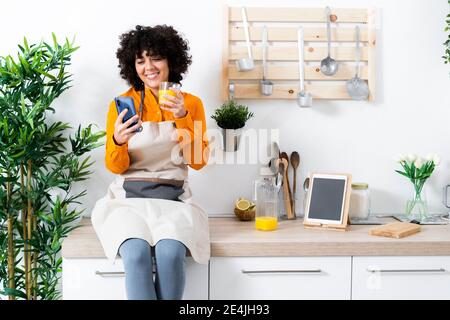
{"type": "Point", "coordinates": [284, 155]}
{"type": "Point", "coordinates": [295, 162]}
{"type": "Point", "coordinates": [283, 169]}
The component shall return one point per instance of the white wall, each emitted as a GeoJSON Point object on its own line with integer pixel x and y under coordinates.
{"type": "Point", "coordinates": [410, 113]}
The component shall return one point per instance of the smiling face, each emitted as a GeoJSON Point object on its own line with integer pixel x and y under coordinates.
{"type": "Point", "coordinates": [152, 70]}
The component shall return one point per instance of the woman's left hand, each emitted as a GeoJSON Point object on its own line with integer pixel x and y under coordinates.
{"type": "Point", "coordinates": [174, 104]}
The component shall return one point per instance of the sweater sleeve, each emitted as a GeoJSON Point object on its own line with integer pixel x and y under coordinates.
{"type": "Point", "coordinates": [192, 134]}
{"type": "Point", "coordinates": [117, 159]}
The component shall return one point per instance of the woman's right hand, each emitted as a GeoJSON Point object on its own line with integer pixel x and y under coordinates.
{"type": "Point", "coordinates": [121, 131]}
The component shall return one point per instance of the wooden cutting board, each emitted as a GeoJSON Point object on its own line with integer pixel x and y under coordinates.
{"type": "Point", "coordinates": [396, 230]}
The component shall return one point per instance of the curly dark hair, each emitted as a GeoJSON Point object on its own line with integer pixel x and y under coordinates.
{"type": "Point", "coordinates": [159, 41]}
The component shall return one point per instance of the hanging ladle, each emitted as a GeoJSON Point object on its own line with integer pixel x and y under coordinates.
{"type": "Point", "coordinates": [356, 87]}
{"type": "Point", "coordinates": [266, 86]}
{"type": "Point", "coordinates": [329, 66]}
{"type": "Point", "coordinates": [304, 98]}
{"type": "Point", "coordinates": [246, 64]}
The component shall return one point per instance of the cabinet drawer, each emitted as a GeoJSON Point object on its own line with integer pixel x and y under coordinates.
{"type": "Point", "coordinates": [95, 279]}
{"type": "Point", "coordinates": [280, 278]}
{"type": "Point", "coordinates": [401, 277]}
{"type": "Point", "coordinates": [91, 279]}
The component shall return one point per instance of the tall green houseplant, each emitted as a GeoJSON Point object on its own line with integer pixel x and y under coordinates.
{"type": "Point", "coordinates": [38, 167]}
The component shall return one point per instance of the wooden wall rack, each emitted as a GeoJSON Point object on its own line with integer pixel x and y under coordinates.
{"type": "Point", "coordinates": [282, 68]}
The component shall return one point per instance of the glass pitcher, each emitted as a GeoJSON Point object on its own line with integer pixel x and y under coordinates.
{"type": "Point", "coordinates": [266, 197]}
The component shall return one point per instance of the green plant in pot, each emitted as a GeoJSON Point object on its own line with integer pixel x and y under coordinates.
{"type": "Point", "coordinates": [231, 117]}
{"type": "Point", "coordinates": [446, 55]}
{"type": "Point", "coordinates": [38, 168]}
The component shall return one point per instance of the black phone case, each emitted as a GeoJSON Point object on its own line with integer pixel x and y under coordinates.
{"type": "Point", "coordinates": [123, 103]}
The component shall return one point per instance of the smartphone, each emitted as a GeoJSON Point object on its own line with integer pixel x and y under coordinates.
{"type": "Point", "coordinates": [127, 103]}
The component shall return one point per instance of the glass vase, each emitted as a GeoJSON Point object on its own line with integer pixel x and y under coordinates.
{"type": "Point", "coordinates": [417, 206]}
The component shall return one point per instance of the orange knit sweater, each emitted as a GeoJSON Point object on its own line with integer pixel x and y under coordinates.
{"type": "Point", "coordinates": [191, 128]}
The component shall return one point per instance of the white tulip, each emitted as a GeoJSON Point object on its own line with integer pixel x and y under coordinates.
{"type": "Point", "coordinates": [436, 160]}
{"type": "Point", "coordinates": [399, 158]}
{"type": "Point", "coordinates": [418, 163]}
{"type": "Point", "coordinates": [430, 156]}
{"type": "Point", "coordinates": [411, 157]}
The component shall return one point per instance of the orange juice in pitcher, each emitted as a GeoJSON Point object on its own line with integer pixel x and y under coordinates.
{"type": "Point", "coordinates": [266, 223]}
{"type": "Point", "coordinates": [266, 194]}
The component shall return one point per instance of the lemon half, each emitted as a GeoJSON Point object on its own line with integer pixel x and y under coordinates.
{"type": "Point", "coordinates": [243, 204]}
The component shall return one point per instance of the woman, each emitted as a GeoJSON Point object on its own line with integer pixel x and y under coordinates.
{"type": "Point", "coordinates": [147, 215]}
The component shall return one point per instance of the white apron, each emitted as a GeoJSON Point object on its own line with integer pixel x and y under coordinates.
{"type": "Point", "coordinates": [154, 156]}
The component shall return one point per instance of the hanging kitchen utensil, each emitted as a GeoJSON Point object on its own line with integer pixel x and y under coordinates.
{"type": "Point", "coordinates": [246, 64]}
{"type": "Point", "coordinates": [356, 87]}
{"type": "Point", "coordinates": [304, 98]}
{"type": "Point", "coordinates": [329, 66]}
{"type": "Point", "coordinates": [231, 91]}
{"type": "Point", "coordinates": [266, 86]}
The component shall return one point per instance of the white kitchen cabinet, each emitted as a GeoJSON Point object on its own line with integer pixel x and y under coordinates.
{"type": "Point", "coordinates": [426, 277]}
{"type": "Point", "coordinates": [280, 278]}
{"type": "Point", "coordinates": [98, 279]}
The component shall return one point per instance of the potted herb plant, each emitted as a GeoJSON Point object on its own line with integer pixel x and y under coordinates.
{"type": "Point", "coordinates": [231, 117]}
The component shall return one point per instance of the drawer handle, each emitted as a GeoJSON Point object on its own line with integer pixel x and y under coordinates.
{"type": "Point", "coordinates": [281, 271]}
{"type": "Point", "coordinates": [405, 270]}
{"type": "Point", "coordinates": [110, 273]}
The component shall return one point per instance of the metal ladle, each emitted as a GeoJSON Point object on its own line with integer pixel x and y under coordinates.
{"type": "Point", "coordinates": [275, 161]}
{"type": "Point", "coordinates": [246, 64]}
{"type": "Point", "coordinates": [329, 66]}
{"type": "Point", "coordinates": [304, 98]}
{"type": "Point", "coordinates": [356, 87]}
{"type": "Point", "coordinates": [266, 86]}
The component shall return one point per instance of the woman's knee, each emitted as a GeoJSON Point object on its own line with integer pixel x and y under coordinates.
{"type": "Point", "coordinates": [171, 251]}
{"type": "Point", "coordinates": [135, 251]}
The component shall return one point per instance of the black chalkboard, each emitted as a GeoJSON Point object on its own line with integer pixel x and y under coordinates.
{"type": "Point", "coordinates": [327, 202]}
{"type": "Point", "coordinates": [327, 199]}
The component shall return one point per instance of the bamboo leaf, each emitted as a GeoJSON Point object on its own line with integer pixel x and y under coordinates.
{"type": "Point", "coordinates": [48, 75]}
{"type": "Point", "coordinates": [24, 64]}
{"type": "Point", "coordinates": [21, 48]}
{"type": "Point", "coordinates": [19, 154]}
{"type": "Point", "coordinates": [25, 43]}
{"type": "Point", "coordinates": [55, 42]}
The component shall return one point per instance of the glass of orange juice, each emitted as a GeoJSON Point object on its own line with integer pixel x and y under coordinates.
{"type": "Point", "coordinates": [166, 88]}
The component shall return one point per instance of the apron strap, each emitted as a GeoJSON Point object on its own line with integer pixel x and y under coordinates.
{"type": "Point", "coordinates": [141, 104]}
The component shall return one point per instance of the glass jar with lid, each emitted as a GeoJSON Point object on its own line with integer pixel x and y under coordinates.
{"type": "Point", "coordinates": [359, 201]}
{"type": "Point", "coordinates": [266, 197]}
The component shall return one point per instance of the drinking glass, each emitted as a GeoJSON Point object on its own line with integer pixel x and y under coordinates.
{"type": "Point", "coordinates": [166, 88]}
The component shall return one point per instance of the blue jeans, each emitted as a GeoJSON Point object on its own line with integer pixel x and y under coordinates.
{"type": "Point", "coordinates": [169, 281]}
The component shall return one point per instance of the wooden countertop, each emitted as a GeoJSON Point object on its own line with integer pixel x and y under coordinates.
{"type": "Point", "coordinates": [230, 237]}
